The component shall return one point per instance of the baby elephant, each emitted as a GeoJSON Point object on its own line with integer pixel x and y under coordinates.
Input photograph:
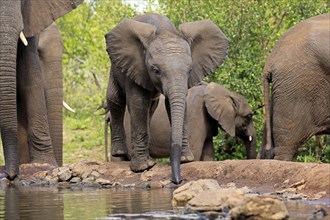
{"type": "Point", "coordinates": [209, 106]}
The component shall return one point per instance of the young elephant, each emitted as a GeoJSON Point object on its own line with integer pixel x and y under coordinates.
{"type": "Point", "coordinates": [150, 57]}
{"type": "Point", "coordinates": [298, 106]}
{"type": "Point", "coordinates": [210, 106]}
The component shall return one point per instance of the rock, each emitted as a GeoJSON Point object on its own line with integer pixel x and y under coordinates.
{"type": "Point", "coordinates": [86, 174]}
{"type": "Point", "coordinates": [103, 182]}
{"type": "Point", "coordinates": [155, 185]}
{"type": "Point", "coordinates": [64, 174]}
{"type": "Point", "coordinates": [147, 175]}
{"type": "Point", "coordinates": [75, 179]}
{"type": "Point", "coordinates": [64, 185]}
{"type": "Point", "coordinates": [318, 195]}
{"type": "Point", "coordinates": [319, 212]}
{"type": "Point", "coordinates": [4, 183]}
{"type": "Point", "coordinates": [40, 174]}
{"type": "Point", "coordinates": [260, 208]}
{"type": "Point", "coordinates": [94, 174]}
{"type": "Point", "coordinates": [88, 180]}
{"type": "Point", "coordinates": [189, 190]}
{"type": "Point", "coordinates": [52, 180]}
{"type": "Point", "coordinates": [216, 199]}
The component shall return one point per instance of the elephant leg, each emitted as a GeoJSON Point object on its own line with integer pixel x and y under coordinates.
{"type": "Point", "coordinates": [287, 135]}
{"type": "Point", "coordinates": [116, 103]}
{"type": "Point", "coordinates": [31, 92]}
{"type": "Point", "coordinates": [139, 106]}
{"type": "Point", "coordinates": [22, 135]}
{"type": "Point", "coordinates": [186, 154]}
{"type": "Point", "coordinates": [208, 150]}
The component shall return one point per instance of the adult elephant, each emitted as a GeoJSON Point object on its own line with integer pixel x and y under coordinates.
{"type": "Point", "coordinates": [50, 50]}
{"type": "Point", "coordinates": [209, 107]}
{"type": "Point", "coordinates": [299, 69]}
{"type": "Point", "coordinates": [149, 56]}
{"type": "Point", "coordinates": [29, 18]}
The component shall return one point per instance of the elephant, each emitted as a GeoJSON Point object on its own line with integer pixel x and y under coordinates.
{"type": "Point", "coordinates": [50, 50]}
{"type": "Point", "coordinates": [150, 57]}
{"type": "Point", "coordinates": [19, 63]}
{"type": "Point", "coordinates": [209, 107]}
{"type": "Point", "coordinates": [299, 70]}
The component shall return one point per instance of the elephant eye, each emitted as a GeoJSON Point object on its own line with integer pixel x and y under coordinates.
{"type": "Point", "coordinates": [156, 71]}
{"type": "Point", "coordinates": [248, 118]}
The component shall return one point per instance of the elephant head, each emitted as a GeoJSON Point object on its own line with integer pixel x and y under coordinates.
{"type": "Point", "coordinates": [227, 107]}
{"type": "Point", "coordinates": [151, 52]}
{"type": "Point", "coordinates": [30, 18]}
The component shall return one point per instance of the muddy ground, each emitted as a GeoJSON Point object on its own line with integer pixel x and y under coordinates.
{"type": "Point", "coordinates": [264, 176]}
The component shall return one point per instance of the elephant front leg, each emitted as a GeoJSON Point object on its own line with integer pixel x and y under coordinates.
{"type": "Point", "coordinates": [139, 108]}
{"type": "Point", "coordinates": [31, 93]}
{"type": "Point", "coordinates": [118, 137]}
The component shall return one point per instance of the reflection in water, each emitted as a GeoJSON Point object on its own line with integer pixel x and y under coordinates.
{"type": "Point", "coordinates": [48, 203]}
{"type": "Point", "coordinates": [91, 203]}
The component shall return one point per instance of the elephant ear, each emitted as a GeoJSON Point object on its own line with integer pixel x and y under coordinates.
{"type": "Point", "coordinates": [126, 44]}
{"type": "Point", "coordinates": [39, 14]}
{"type": "Point", "coordinates": [221, 106]}
{"type": "Point", "coordinates": [208, 48]}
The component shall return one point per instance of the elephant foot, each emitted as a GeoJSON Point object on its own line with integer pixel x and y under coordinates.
{"type": "Point", "coordinates": [10, 175]}
{"type": "Point", "coordinates": [141, 162]}
{"type": "Point", "coordinates": [45, 159]}
{"type": "Point", "coordinates": [118, 150]}
{"type": "Point", "coordinates": [187, 155]}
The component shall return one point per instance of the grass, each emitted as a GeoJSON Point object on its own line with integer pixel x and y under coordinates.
{"type": "Point", "coordinates": [83, 140]}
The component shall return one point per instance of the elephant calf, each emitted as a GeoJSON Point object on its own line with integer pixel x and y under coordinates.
{"type": "Point", "coordinates": [210, 106]}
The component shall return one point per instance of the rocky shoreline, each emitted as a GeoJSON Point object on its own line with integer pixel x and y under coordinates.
{"type": "Point", "coordinates": [261, 176]}
{"type": "Point", "coordinates": [237, 186]}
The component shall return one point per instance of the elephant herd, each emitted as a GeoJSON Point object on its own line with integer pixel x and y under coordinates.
{"type": "Point", "coordinates": [157, 104]}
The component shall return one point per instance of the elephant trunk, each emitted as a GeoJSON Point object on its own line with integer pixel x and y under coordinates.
{"type": "Point", "coordinates": [177, 101]}
{"type": "Point", "coordinates": [250, 143]}
{"type": "Point", "coordinates": [11, 25]}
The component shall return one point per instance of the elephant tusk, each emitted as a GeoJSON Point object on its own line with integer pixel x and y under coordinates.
{"type": "Point", "coordinates": [23, 39]}
{"type": "Point", "coordinates": [250, 138]}
{"type": "Point", "coordinates": [68, 107]}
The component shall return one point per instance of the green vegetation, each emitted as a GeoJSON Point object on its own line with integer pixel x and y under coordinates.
{"type": "Point", "coordinates": [253, 27]}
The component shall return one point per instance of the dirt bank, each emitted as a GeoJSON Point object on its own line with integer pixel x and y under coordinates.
{"type": "Point", "coordinates": [259, 175]}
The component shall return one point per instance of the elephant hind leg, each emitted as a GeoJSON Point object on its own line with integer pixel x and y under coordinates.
{"type": "Point", "coordinates": [208, 150]}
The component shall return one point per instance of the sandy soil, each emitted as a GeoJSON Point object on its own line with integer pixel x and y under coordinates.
{"type": "Point", "coordinates": [259, 175]}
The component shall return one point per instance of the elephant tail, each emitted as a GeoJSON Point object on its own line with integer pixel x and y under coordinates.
{"type": "Point", "coordinates": [106, 126]}
{"type": "Point", "coordinates": [267, 142]}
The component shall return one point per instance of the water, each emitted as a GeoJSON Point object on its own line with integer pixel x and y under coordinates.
{"type": "Point", "coordinates": [115, 203]}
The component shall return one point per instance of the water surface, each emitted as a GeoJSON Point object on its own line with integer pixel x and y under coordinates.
{"type": "Point", "coordinates": [114, 203]}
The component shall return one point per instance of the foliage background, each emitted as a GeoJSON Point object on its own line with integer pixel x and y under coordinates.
{"type": "Point", "coordinates": [252, 26]}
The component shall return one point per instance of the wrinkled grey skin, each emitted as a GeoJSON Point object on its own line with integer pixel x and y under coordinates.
{"type": "Point", "coordinates": [209, 107]}
{"type": "Point", "coordinates": [50, 50]}
{"type": "Point", "coordinates": [299, 106]}
{"type": "Point", "coordinates": [19, 63]}
{"type": "Point", "coordinates": [150, 57]}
